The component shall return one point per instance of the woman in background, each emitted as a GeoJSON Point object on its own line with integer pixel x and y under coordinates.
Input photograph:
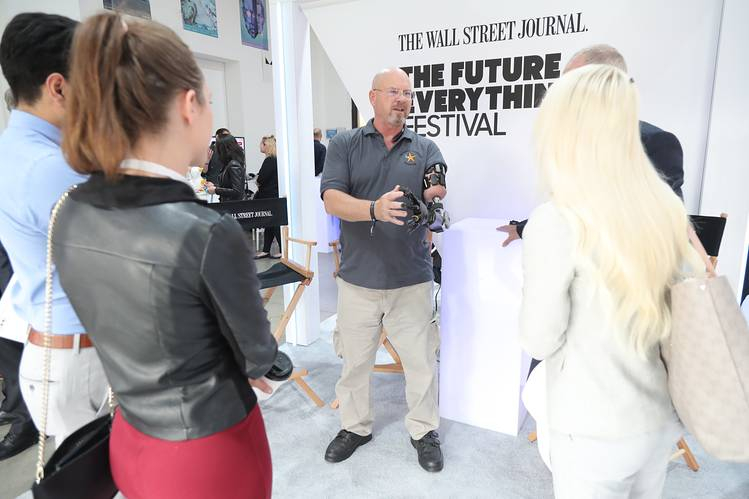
{"type": "Point", "coordinates": [231, 180]}
{"type": "Point", "coordinates": [598, 261]}
{"type": "Point", "coordinates": [267, 183]}
{"type": "Point", "coordinates": [163, 284]}
{"type": "Point", "coordinates": [214, 166]}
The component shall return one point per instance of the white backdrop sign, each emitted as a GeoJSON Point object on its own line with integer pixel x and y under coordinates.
{"type": "Point", "coordinates": [479, 67]}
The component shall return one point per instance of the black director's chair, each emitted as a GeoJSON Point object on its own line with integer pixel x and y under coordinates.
{"type": "Point", "coordinates": [710, 232]}
{"type": "Point", "coordinates": [284, 272]}
{"type": "Point", "coordinates": [253, 214]}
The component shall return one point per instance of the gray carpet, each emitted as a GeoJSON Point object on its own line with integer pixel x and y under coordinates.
{"type": "Point", "coordinates": [478, 463]}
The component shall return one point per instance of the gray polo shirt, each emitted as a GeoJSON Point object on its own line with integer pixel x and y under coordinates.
{"type": "Point", "coordinates": [359, 164]}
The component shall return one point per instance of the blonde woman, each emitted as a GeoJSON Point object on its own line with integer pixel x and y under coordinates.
{"type": "Point", "coordinates": [598, 261]}
{"type": "Point", "coordinates": [267, 184]}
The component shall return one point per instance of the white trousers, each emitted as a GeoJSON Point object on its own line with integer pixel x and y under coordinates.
{"type": "Point", "coordinates": [77, 388]}
{"type": "Point", "coordinates": [631, 468]}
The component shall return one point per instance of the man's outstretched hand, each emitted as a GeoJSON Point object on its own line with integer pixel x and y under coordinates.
{"type": "Point", "coordinates": [512, 233]}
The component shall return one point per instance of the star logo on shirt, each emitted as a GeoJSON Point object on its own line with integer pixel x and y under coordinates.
{"type": "Point", "coordinates": [410, 158]}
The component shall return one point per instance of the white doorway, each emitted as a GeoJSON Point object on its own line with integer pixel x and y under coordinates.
{"type": "Point", "coordinates": [215, 77]}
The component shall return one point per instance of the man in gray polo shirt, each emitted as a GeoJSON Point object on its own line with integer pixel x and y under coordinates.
{"type": "Point", "coordinates": [386, 271]}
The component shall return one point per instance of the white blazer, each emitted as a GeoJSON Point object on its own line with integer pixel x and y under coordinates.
{"type": "Point", "coordinates": [598, 386]}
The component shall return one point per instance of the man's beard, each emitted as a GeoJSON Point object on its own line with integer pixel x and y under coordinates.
{"type": "Point", "coordinates": [394, 118]}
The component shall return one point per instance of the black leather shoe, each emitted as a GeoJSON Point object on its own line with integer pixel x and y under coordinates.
{"type": "Point", "coordinates": [343, 445]}
{"type": "Point", "coordinates": [5, 418]}
{"type": "Point", "coordinates": [17, 441]}
{"type": "Point", "coordinates": [430, 454]}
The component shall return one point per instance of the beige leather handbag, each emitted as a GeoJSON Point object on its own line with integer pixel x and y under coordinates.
{"type": "Point", "coordinates": [707, 357]}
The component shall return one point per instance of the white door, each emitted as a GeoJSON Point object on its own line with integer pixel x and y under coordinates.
{"type": "Point", "coordinates": [215, 77]}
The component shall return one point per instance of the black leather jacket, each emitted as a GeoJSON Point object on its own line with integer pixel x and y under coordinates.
{"type": "Point", "coordinates": [167, 289]}
{"type": "Point", "coordinates": [230, 185]}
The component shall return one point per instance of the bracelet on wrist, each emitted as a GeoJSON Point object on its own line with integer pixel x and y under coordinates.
{"type": "Point", "coordinates": [372, 218]}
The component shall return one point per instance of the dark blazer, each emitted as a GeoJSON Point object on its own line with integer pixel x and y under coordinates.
{"type": "Point", "coordinates": [664, 151]}
{"type": "Point", "coordinates": [320, 152]}
{"type": "Point", "coordinates": [230, 186]}
{"type": "Point", "coordinates": [167, 289]}
{"type": "Point", "coordinates": [267, 179]}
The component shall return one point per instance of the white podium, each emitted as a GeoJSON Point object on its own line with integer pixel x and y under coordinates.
{"type": "Point", "coordinates": [482, 368]}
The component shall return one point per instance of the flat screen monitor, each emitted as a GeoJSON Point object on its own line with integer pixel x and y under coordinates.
{"type": "Point", "coordinates": [240, 141]}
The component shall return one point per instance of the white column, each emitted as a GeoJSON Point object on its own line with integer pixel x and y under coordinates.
{"type": "Point", "coordinates": [726, 176]}
{"type": "Point", "coordinates": [292, 83]}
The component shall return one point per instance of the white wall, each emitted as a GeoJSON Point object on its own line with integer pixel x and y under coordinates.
{"type": "Point", "coordinates": [669, 45]}
{"type": "Point", "coordinates": [726, 181]}
{"type": "Point", "coordinates": [331, 103]}
{"type": "Point", "coordinates": [62, 7]}
{"type": "Point", "coordinates": [215, 78]}
{"type": "Point", "coordinates": [249, 96]}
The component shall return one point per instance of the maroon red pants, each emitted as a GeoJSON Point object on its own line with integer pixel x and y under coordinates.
{"type": "Point", "coordinates": [231, 464]}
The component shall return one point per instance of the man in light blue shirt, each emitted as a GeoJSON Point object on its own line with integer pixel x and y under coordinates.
{"type": "Point", "coordinates": [34, 59]}
{"type": "Point", "coordinates": [32, 162]}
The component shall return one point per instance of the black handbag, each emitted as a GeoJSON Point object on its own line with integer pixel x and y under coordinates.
{"type": "Point", "coordinates": [79, 468]}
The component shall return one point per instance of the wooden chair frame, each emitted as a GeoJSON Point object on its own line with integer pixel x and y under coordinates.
{"type": "Point", "coordinates": [298, 375]}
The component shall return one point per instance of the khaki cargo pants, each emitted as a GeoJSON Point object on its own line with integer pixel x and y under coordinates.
{"type": "Point", "coordinates": [406, 314]}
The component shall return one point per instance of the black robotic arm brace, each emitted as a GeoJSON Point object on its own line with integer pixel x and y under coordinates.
{"type": "Point", "coordinates": [433, 214]}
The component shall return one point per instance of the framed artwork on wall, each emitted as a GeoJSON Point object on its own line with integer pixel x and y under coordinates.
{"type": "Point", "coordinates": [138, 8]}
{"type": "Point", "coordinates": [254, 23]}
{"type": "Point", "coordinates": [199, 16]}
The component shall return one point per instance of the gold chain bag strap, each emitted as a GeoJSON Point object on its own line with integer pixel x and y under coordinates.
{"type": "Point", "coordinates": [80, 465]}
{"type": "Point", "coordinates": [707, 358]}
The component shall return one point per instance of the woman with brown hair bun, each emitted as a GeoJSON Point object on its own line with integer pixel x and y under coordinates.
{"type": "Point", "coordinates": [165, 286]}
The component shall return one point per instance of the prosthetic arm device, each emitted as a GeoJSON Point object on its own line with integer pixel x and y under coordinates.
{"type": "Point", "coordinates": [438, 219]}
{"type": "Point", "coordinates": [433, 214]}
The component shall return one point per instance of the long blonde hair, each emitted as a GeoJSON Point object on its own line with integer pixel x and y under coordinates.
{"type": "Point", "coordinates": [627, 219]}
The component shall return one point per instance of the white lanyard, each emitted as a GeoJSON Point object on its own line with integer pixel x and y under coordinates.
{"type": "Point", "coordinates": [155, 168]}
